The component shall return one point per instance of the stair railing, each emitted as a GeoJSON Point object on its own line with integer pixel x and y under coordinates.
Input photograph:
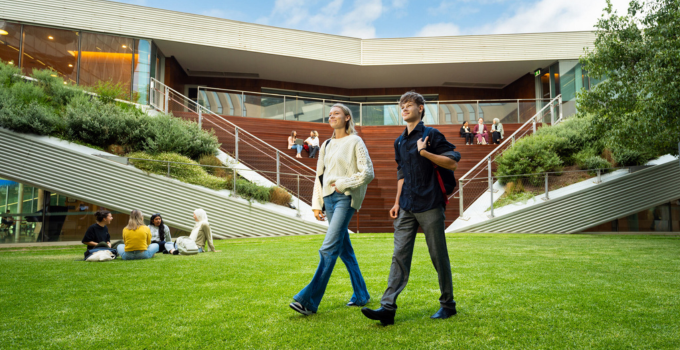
{"type": "Point", "coordinates": [471, 186]}
{"type": "Point", "coordinates": [241, 145]}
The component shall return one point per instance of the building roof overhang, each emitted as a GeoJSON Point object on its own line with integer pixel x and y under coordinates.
{"type": "Point", "coordinates": [208, 44]}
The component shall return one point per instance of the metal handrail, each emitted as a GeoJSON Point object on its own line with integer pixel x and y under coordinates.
{"type": "Point", "coordinates": [207, 88]}
{"type": "Point", "coordinates": [220, 167]}
{"type": "Point", "coordinates": [509, 139]}
{"type": "Point", "coordinates": [500, 150]}
{"type": "Point", "coordinates": [203, 110]}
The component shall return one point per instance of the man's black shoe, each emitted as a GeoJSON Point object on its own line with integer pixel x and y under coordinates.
{"type": "Point", "coordinates": [444, 313]}
{"type": "Point", "coordinates": [386, 317]}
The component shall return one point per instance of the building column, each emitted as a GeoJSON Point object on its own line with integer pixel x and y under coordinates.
{"type": "Point", "coordinates": [20, 208]}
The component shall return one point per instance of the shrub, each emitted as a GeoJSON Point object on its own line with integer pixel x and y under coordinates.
{"type": "Point", "coordinates": [208, 159]}
{"type": "Point", "coordinates": [193, 173]}
{"type": "Point", "coordinates": [533, 154]}
{"type": "Point", "coordinates": [573, 135]}
{"type": "Point", "coordinates": [108, 91]}
{"type": "Point", "coordinates": [627, 156]}
{"type": "Point", "coordinates": [279, 196]}
{"type": "Point", "coordinates": [49, 107]}
{"type": "Point", "coordinates": [595, 162]}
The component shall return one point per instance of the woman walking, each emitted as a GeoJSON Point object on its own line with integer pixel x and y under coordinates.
{"type": "Point", "coordinates": [137, 239]}
{"type": "Point", "coordinates": [343, 172]}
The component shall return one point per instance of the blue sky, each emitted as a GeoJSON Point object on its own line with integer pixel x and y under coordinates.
{"type": "Point", "coordinates": [402, 18]}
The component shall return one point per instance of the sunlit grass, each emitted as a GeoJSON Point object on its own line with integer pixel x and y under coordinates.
{"type": "Point", "coordinates": [513, 291]}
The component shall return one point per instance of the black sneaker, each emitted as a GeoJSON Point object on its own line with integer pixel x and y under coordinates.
{"type": "Point", "coordinates": [301, 309]}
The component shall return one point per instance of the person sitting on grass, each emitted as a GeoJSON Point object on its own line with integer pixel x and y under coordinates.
{"type": "Point", "coordinates": [137, 239]}
{"type": "Point", "coordinates": [97, 235]}
{"type": "Point", "coordinates": [201, 233]}
{"type": "Point", "coordinates": [160, 234]}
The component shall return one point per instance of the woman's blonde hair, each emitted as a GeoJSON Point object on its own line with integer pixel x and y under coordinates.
{"type": "Point", "coordinates": [136, 220]}
{"type": "Point", "coordinates": [316, 133]}
{"type": "Point", "coordinates": [349, 126]}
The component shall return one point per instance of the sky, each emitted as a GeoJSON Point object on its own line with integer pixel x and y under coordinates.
{"type": "Point", "coordinates": [403, 18]}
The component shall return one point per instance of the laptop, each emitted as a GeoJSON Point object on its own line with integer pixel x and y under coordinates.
{"type": "Point", "coordinates": [299, 142]}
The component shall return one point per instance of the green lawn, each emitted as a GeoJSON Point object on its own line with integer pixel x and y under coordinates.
{"type": "Point", "coordinates": [513, 291]}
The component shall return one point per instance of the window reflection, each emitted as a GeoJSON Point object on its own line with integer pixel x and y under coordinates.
{"type": "Point", "coordinates": [106, 58]}
{"type": "Point", "coordinates": [10, 41]}
{"type": "Point", "coordinates": [49, 48]}
{"type": "Point", "coordinates": [142, 70]}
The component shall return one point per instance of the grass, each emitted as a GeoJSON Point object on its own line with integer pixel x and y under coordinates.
{"type": "Point", "coordinates": [513, 292]}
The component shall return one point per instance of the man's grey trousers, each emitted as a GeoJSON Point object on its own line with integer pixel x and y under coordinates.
{"type": "Point", "coordinates": [405, 230]}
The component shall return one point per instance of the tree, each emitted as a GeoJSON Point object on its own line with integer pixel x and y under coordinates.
{"type": "Point", "coordinates": [638, 106]}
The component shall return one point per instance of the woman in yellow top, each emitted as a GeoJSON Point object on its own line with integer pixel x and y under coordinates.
{"type": "Point", "coordinates": [137, 239]}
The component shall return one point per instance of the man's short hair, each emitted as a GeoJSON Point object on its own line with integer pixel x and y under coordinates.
{"type": "Point", "coordinates": [413, 96]}
{"type": "Point", "coordinates": [101, 215]}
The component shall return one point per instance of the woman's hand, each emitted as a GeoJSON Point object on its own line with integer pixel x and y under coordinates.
{"type": "Point", "coordinates": [336, 189]}
{"type": "Point", "coordinates": [318, 214]}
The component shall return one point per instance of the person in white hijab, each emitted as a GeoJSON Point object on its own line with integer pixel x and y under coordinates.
{"type": "Point", "coordinates": [201, 232]}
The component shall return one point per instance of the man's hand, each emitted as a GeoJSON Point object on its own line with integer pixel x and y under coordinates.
{"type": "Point", "coordinates": [318, 214]}
{"type": "Point", "coordinates": [421, 144]}
{"type": "Point", "coordinates": [336, 189]}
{"type": "Point", "coordinates": [394, 212]}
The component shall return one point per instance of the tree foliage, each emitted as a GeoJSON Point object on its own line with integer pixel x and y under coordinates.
{"type": "Point", "coordinates": [638, 106]}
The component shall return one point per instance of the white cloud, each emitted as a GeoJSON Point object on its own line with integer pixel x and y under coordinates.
{"type": "Point", "coordinates": [539, 17]}
{"type": "Point", "coordinates": [439, 29]}
{"type": "Point", "coordinates": [551, 16]}
{"type": "Point", "coordinates": [359, 22]}
{"type": "Point", "coordinates": [356, 21]}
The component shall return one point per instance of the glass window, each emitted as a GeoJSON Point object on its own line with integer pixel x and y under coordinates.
{"type": "Point", "coordinates": [106, 58]}
{"type": "Point", "coordinates": [142, 71]}
{"type": "Point", "coordinates": [49, 48]}
{"type": "Point", "coordinates": [10, 41]}
{"type": "Point", "coordinates": [661, 218]}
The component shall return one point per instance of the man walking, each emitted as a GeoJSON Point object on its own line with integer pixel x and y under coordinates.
{"type": "Point", "coordinates": [420, 202]}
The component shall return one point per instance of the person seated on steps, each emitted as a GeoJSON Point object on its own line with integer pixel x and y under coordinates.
{"type": "Point", "coordinates": [313, 143]}
{"type": "Point", "coordinates": [481, 134]}
{"type": "Point", "coordinates": [466, 133]}
{"type": "Point", "coordinates": [293, 145]}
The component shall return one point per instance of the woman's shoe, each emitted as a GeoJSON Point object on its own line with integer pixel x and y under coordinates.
{"type": "Point", "coordinates": [301, 309]}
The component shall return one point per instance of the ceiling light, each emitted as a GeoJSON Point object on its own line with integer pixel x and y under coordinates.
{"type": "Point", "coordinates": [124, 46]}
{"type": "Point", "coordinates": [50, 37]}
{"type": "Point", "coordinates": [3, 32]}
{"type": "Point", "coordinates": [70, 65]}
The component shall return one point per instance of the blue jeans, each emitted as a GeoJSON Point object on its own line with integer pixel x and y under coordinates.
{"type": "Point", "coordinates": [336, 243]}
{"type": "Point", "coordinates": [297, 147]}
{"type": "Point", "coordinates": [138, 254]}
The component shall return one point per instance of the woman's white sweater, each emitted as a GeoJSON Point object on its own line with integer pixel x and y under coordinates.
{"type": "Point", "coordinates": [345, 163]}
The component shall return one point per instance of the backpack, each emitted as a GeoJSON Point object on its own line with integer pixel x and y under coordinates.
{"type": "Point", "coordinates": [447, 181]}
{"type": "Point", "coordinates": [186, 246]}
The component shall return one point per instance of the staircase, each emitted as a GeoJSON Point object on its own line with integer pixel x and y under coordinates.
{"type": "Point", "coordinates": [374, 214]}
